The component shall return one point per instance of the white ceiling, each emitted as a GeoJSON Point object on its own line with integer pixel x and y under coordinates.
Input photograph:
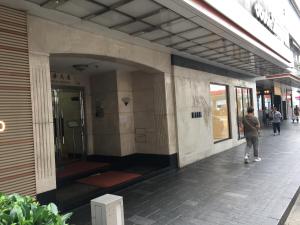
{"type": "Point", "coordinates": [64, 64]}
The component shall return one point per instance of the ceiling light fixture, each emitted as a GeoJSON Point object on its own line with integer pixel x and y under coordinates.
{"type": "Point", "coordinates": [80, 67]}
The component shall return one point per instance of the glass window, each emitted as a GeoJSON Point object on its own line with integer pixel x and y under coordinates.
{"type": "Point", "coordinates": [240, 111]}
{"type": "Point", "coordinates": [220, 115]}
{"type": "Point", "coordinates": [268, 102]}
{"type": "Point", "coordinates": [259, 102]}
{"type": "Point", "coordinates": [243, 101]}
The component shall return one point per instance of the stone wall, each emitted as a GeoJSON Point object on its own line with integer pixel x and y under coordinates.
{"type": "Point", "coordinates": [105, 114]}
{"type": "Point", "coordinates": [195, 136]}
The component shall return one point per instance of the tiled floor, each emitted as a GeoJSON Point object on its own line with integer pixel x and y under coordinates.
{"type": "Point", "coordinates": [220, 190]}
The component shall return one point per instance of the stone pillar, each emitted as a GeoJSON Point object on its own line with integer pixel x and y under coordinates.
{"type": "Point", "coordinates": [42, 122]}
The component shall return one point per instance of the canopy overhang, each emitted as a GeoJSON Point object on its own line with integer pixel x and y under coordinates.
{"type": "Point", "coordinates": [172, 24]}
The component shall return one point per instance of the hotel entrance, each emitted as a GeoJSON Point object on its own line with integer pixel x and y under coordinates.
{"type": "Point", "coordinates": [108, 119]}
{"type": "Point", "coordinates": [69, 126]}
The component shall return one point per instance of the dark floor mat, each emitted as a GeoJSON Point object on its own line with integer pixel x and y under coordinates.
{"type": "Point", "coordinates": [80, 168]}
{"type": "Point", "coordinates": [109, 179]}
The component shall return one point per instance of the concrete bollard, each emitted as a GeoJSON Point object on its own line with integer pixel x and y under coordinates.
{"type": "Point", "coordinates": [107, 210]}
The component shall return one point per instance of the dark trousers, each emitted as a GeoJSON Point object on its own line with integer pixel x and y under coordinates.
{"type": "Point", "coordinates": [276, 126]}
{"type": "Point", "coordinates": [252, 141]}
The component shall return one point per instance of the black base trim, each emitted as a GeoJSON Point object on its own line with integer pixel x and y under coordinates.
{"type": "Point", "coordinates": [46, 197]}
{"type": "Point", "coordinates": [144, 159]}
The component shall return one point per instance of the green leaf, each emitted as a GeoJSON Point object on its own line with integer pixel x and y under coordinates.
{"type": "Point", "coordinates": [53, 208]}
{"type": "Point", "coordinates": [66, 217]}
{"type": "Point", "coordinates": [25, 210]}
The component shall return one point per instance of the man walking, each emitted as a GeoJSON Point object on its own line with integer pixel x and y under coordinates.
{"type": "Point", "coordinates": [276, 121]}
{"type": "Point", "coordinates": [296, 114]}
{"type": "Point", "coordinates": [251, 126]}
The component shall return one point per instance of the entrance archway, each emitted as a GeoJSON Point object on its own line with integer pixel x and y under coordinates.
{"type": "Point", "coordinates": [109, 120]}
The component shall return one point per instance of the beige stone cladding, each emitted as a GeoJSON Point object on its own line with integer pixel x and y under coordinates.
{"type": "Point", "coordinates": [47, 38]}
{"type": "Point", "coordinates": [195, 136]}
{"type": "Point", "coordinates": [134, 113]}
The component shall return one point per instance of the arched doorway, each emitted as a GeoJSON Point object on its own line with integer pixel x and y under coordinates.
{"type": "Point", "coordinates": [109, 124]}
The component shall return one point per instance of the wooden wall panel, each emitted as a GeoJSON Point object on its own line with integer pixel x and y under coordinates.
{"type": "Point", "coordinates": [17, 161]}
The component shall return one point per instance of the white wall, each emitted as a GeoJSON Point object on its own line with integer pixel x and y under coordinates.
{"type": "Point", "coordinates": [150, 117]}
{"type": "Point", "coordinates": [195, 136]}
{"type": "Point", "coordinates": [48, 38]}
{"type": "Point", "coordinates": [126, 115]}
{"type": "Point", "coordinates": [141, 126]}
{"type": "Point", "coordinates": [106, 127]}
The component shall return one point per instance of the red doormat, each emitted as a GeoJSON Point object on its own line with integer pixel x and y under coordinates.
{"type": "Point", "coordinates": [81, 167]}
{"type": "Point", "coordinates": [109, 179]}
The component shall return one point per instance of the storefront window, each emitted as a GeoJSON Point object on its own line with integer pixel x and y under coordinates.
{"type": "Point", "coordinates": [220, 115]}
{"type": "Point", "coordinates": [259, 102]}
{"type": "Point", "coordinates": [243, 101]}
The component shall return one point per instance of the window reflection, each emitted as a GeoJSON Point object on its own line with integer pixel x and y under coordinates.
{"type": "Point", "coordinates": [219, 108]}
{"type": "Point", "coordinates": [240, 111]}
{"type": "Point", "coordinates": [243, 101]}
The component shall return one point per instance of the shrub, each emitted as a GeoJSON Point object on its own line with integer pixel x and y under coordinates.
{"type": "Point", "coordinates": [25, 210]}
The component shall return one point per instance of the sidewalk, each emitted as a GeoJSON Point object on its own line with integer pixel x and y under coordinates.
{"type": "Point", "coordinates": [294, 217]}
{"type": "Point", "coordinates": [220, 190]}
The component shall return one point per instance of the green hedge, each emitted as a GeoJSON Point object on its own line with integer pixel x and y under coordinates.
{"type": "Point", "coordinates": [25, 210]}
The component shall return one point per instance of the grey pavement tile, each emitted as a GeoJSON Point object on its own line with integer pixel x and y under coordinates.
{"type": "Point", "coordinates": [191, 203]}
{"type": "Point", "coordinates": [138, 220]}
{"type": "Point", "coordinates": [221, 189]}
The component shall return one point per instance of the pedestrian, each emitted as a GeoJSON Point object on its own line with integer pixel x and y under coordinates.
{"type": "Point", "coordinates": [251, 127]}
{"type": "Point", "coordinates": [265, 116]}
{"type": "Point", "coordinates": [296, 114]}
{"type": "Point", "coordinates": [276, 115]}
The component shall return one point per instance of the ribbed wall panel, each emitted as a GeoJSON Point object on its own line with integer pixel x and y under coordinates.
{"type": "Point", "coordinates": [42, 122]}
{"type": "Point", "coordinates": [17, 163]}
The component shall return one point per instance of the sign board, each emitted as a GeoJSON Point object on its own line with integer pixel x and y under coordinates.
{"type": "Point", "coordinates": [2, 126]}
{"type": "Point", "coordinates": [271, 20]}
{"type": "Point", "coordinates": [264, 16]}
{"type": "Point", "coordinates": [277, 88]}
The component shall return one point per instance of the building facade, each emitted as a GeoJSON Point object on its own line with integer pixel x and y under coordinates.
{"type": "Point", "coordinates": [127, 80]}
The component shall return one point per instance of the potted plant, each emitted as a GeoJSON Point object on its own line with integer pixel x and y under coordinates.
{"type": "Point", "coordinates": [25, 210]}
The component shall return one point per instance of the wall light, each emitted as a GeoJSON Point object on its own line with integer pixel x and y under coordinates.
{"type": "Point", "coordinates": [2, 126]}
{"type": "Point", "coordinates": [126, 100]}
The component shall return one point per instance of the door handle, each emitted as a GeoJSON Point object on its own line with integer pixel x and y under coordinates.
{"type": "Point", "coordinates": [62, 126]}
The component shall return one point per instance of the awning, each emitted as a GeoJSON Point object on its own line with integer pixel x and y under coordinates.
{"type": "Point", "coordinates": [286, 78]}
{"type": "Point", "coordinates": [152, 21]}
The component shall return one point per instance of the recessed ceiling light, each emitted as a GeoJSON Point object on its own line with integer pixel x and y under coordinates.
{"type": "Point", "coordinates": [80, 67]}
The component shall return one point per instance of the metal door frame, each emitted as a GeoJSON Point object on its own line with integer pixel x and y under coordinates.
{"type": "Point", "coordinates": [82, 113]}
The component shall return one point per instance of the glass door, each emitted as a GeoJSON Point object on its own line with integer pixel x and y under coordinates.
{"type": "Point", "coordinates": [68, 113]}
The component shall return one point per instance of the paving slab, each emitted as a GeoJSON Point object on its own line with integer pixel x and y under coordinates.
{"type": "Point", "coordinates": [219, 190]}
